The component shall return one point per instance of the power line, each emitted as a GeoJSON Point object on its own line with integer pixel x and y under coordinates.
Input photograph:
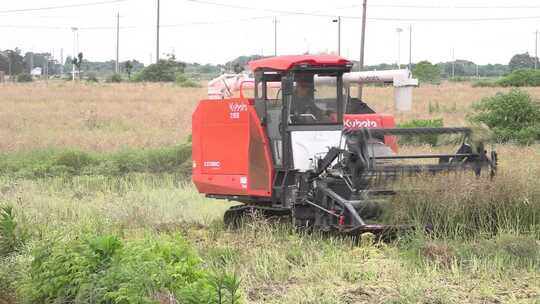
{"type": "Point", "coordinates": [21, 10]}
{"type": "Point", "coordinates": [513, 18]}
{"type": "Point", "coordinates": [269, 10]}
{"type": "Point", "coordinates": [455, 6]}
{"type": "Point", "coordinates": [282, 14]}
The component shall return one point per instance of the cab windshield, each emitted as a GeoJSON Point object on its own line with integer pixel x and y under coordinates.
{"type": "Point", "coordinates": [315, 99]}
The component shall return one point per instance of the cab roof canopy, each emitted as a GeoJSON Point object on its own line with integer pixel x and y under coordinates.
{"type": "Point", "coordinates": [284, 63]}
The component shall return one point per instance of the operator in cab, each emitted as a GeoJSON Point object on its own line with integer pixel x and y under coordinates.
{"type": "Point", "coordinates": [304, 109]}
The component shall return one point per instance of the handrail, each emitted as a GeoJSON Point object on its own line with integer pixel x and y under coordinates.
{"type": "Point", "coordinates": [241, 87]}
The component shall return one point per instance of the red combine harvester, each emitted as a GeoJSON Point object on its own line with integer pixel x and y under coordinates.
{"type": "Point", "coordinates": [303, 148]}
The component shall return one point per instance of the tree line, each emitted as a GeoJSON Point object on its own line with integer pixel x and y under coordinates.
{"type": "Point", "coordinates": [14, 62]}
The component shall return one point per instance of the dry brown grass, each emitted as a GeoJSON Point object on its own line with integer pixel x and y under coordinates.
{"type": "Point", "coordinates": [109, 116]}
{"type": "Point", "coordinates": [94, 117]}
{"type": "Point", "coordinates": [454, 101]}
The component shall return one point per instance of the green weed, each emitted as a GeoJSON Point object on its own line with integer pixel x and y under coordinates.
{"type": "Point", "coordinates": [57, 163]}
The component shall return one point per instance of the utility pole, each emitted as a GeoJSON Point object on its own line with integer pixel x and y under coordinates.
{"type": "Point", "coordinates": [536, 49]}
{"type": "Point", "coordinates": [453, 63]}
{"type": "Point", "coordinates": [75, 50]}
{"type": "Point", "coordinates": [275, 36]}
{"type": "Point", "coordinates": [399, 30]}
{"type": "Point", "coordinates": [117, 66]}
{"type": "Point", "coordinates": [338, 20]}
{"type": "Point", "coordinates": [157, 34]}
{"type": "Point", "coordinates": [31, 61]}
{"type": "Point", "coordinates": [75, 38]}
{"type": "Point", "coordinates": [62, 61]}
{"type": "Point", "coordinates": [362, 45]}
{"type": "Point", "coordinates": [9, 65]}
{"type": "Point", "coordinates": [410, 47]}
{"type": "Point", "coordinates": [46, 68]}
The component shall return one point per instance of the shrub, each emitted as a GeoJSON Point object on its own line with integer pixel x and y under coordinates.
{"type": "Point", "coordinates": [24, 77]}
{"type": "Point", "coordinates": [514, 116]}
{"type": "Point", "coordinates": [115, 78]}
{"type": "Point", "coordinates": [427, 72]}
{"type": "Point", "coordinates": [164, 70]}
{"type": "Point", "coordinates": [518, 78]}
{"type": "Point", "coordinates": [422, 139]}
{"type": "Point", "coordinates": [104, 269]}
{"type": "Point", "coordinates": [92, 77]}
{"type": "Point", "coordinates": [521, 78]}
{"type": "Point", "coordinates": [185, 82]}
{"type": "Point", "coordinates": [485, 84]}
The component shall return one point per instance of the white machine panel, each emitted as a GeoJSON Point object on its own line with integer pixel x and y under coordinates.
{"type": "Point", "coordinates": [306, 145]}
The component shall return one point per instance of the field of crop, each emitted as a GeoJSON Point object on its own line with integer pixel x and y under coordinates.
{"type": "Point", "coordinates": [119, 187]}
{"type": "Point", "coordinates": [104, 117]}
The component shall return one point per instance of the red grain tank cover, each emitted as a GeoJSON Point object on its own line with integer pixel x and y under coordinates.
{"type": "Point", "coordinates": [230, 151]}
{"type": "Point", "coordinates": [375, 120]}
{"type": "Point", "coordinates": [283, 63]}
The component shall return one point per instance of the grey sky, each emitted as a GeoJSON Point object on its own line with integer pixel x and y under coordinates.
{"type": "Point", "coordinates": [230, 32]}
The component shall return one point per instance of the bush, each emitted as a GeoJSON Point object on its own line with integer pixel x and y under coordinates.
{"type": "Point", "coordinates": [104, 269]}
{"type": "Point", "coordinates": [521, 78]}
{"type": "Point", "coordinates": [518, 78]}
{"type": "Point", "coordinates": [427, 72]}
{"type": "Point", "coordinates": [514, 116]}
{"type": "Point", "coordinates": [24, 77]}
{"type": "Point", "coordinates": [115, 78]}
{"type": "Point", "coordinates": [92, 77]}
{"type": "Point", "coordinates": [185, 82]}
{"type": "Point", "coordinates": [163, 71]}
{"type": "Point", "coordinates": [430, 139]}
{"type": "Point", "coordinates": [485, 84]}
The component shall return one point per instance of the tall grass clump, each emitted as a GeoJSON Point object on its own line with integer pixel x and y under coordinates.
{"type": "Point", "coordinates": [462, 205]}
{"type": "Point", "coordinates": [512, 117]}
{"type": "Point", "coordinates": [71, 162]}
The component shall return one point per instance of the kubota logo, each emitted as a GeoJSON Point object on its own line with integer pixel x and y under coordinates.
{"type": "Point", "coordinates": [238, 107]}
{"type": "Point", "coordinates": [357, 123]}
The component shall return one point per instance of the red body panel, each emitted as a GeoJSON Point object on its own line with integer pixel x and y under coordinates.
{"type": "Point", "coordinates": [231, 153]}
{"type": "Point", "coordinates": [375, 120]}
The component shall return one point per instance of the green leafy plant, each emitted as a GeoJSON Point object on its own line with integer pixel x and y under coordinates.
{"type": "Point", "coordinates": [514, 116]}
{"type": "Point", "coordinates": [186, 82]}
{"type": "Point", "coordinates": [427, 72]}
{"type": "Point", "coordinates": [163, 71]}
{"type": "Point", "coordinates": [24, 77]}
{"type": "Point", "coordinates": [12, 238]}
{"type": "Point", "coordinates": [51, 163]}
{"type": "Point", "coordinates": [518, 78]}
{"type": "Point", "coordinates": [114, 78]}
{"type": "Point", "coordinates": [92, 77]}
{"type": "Point", "coordinates": [103, 269]}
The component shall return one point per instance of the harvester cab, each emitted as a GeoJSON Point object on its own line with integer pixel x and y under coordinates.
{"type": "Point", "coordinates": [301, 147]}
